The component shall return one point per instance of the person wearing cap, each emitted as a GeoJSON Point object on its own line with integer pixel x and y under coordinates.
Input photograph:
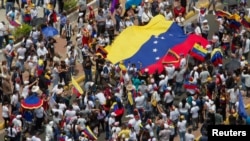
{"type": "Point", "coordinates": [165, 132]}
{"type": "Point", "coordinates": [182, 126]}
{"type": "Point", "coordinates": [194, 114]}
{"type": "Point", "coordinates": [205, 28]}
{"type": "Point", "coordinates": [17, 122]}
{"type": "Point", "coordinates": [170, 69]}
{"type": "Point", "coordinates": [169, 97]}
{"type": "Point", "coordinates": [115, 130]}
{"type": "Point", "coordinates": [150, 127]}
{"type": "Point", "coordinates": [20, 63]}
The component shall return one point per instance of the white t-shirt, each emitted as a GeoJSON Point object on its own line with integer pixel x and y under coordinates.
{"type": "Point", "coordinates": [32, 61]}
{"type": "Point", "coordinates": [189, 137]}
{"type": "Point", "coordinates": [101, 98]}
{"type": "Point", "coordinates": [39, 112]}
{"type": "Point", "coordinates": [34, 138]}
{"type": "Point", "coordinates": [194, 111]}
{"type": "Point", "coordinates": [233, 95]}
{"type": "Point", "coordinates": [69, 113]}
{"type": "Point", "coordinates": [62, 106]}
{"type": "Point", "coordinates": [21, 51]}
{"type": "Point", "coordinates": [25, 91]}
{"type": "Point", "coordinates": [42, 51]}
{"type": "Point", "coordinates": [139, 101]}
{"type": "Point", "coordinates": [5, 112]}
{"type": "Point", "coordinates": [60, 112]}
{"type": "Point", "coordinates": [182, 125]}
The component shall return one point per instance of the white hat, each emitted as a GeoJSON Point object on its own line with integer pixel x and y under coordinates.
{"type": "Point", "coordinates": [195, 68]}
{"type": "Point", "coordinates": [51, 123]}
{"type": "Point", "coordinates": [113, 114]}
{"type": "Point", "coordinates": [80, 14]}
{"type": "Point", "coordinates": [26, 82]}
{"type": "Point", "coordinates": [130, 116]}
{"type": "Point", "coordinates": [206, 98]}
{"type": "Point", "coordinates": [35, 89]}
{"type": "Point", "coordinates": [205, 21]}
{"type": "Point", "coordinates": [161, 76]}
{"type": "Point", "coordinates": [166, 126]}
{"type": "Point", "coordinates": [116, 123]}
{"type": "Point", "coordinates": [91, 83]}
{"type": "Point", "coordinates": [146, 70]}
{"type": "Point", "coordinates": [193, 103]}
{"type": "Point", "coordinates": [169, 88]}
{"type": "Point", "coordinates": [20, 57]}
{"type": "Point", "coordinates": [78, 35]}
{"type": "Point", "coordinates": [211, 102]}
{"type": "Point", "coordinates": [19, 116]}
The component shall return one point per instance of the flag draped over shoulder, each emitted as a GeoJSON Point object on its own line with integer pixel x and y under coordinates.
{"type": "Point", "coordinates": [241, 109]}
{"type": "Point", "coordinates": [198, 52]}
{"type": "Point", "coordinates": [246, 22]}
{"type": "Point", "coordinates": [76, 85]}
{"type": "Point", "coordinates": [216, 57]}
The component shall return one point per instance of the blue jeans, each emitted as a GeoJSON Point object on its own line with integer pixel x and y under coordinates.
{"type": "Point", "coordinates": [182, 135]}
{"type": "Point", "coordinates": [178, 87]}
{"type": "Point", "coordinates": [88, 75]}
{"type": "Point", "coordinates": [9, 60]}
{"type": "Point", "coordinates": [117, 20]}
{"type": "Point", "coordinates": [9, 6]}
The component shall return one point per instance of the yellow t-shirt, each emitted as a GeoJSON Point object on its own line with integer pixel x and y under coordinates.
{"type": "Point", "coordinates": [124, 133]}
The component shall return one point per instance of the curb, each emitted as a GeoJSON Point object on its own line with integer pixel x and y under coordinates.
{"type": "Point", "coordinates": [192, 13]}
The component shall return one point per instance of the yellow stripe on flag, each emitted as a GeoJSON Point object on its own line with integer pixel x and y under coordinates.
{"type": "Point", "coordinates": [76, 85]}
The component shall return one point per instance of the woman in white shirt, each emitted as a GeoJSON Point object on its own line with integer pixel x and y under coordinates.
{"type": "Point", "coordinates": [169, 97]}
{"type": "Point", "coordinates": [168, 14]}
{"type": "Point", "coordinates": [6, 114]}
{"type": "Point", "coordinates": [110, 27]}
{"type": "Point", "coordinates": [184, 108]}
{"type": "Point", "coordinates": [32, 60]}
{"type": "Point", "coordinates": [146, 16]}
{"type": "Point", "coordinates": [181, 125]}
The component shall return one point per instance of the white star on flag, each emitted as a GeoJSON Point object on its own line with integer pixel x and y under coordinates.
{"type": "Point", "coordinates": [155, 50]}
{"type": "Point", "coordinates": [157, 58]}
{"type": "Point", "coordinates": [155, 42]}
{"type": "Point", "coordinates": [162, 38]}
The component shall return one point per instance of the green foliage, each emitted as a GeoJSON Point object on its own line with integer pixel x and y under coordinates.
{"type": "Point", "coordinates": [21, 31]}
{"type": "Point", "coordinates": [70, 4]}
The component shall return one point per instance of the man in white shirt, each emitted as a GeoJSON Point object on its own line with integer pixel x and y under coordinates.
{"type": "Point", "coordinates": [35, 137]}
{"type": "Point", "coordinates": [41, 51]}
{"type": "Point", "coordinates": [189, 136]}
{"type": "Point", "coordinates": [146, 16]}
{"type": "Point", "coordinates": [139, 101]}
{"type": "Point", "coordinates": [140, 10]}
{"type": "Point", "coordinates": [39, 114]}
{"type": "Point", "coordinates": [49, 131]}
{"type": "Point", "coordinates": [170, 69]}
{"type": "Point", "coordinates": [101, 97]}
{"type": "Point", "coordinates": [233, 93]}
{"type": "Point", "coordinates": [194, 111]}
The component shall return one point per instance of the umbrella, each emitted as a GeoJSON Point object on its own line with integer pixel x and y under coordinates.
{"type": "Point", "coordinates": [232, 65]}
{"type": "Point", "coordinates": [49, 31]}
{"type": "Point", "coordinates": [32, 102]}
{"type": "Point", "coordinates": [130, 3]}
{"type": "Point", "coordinates": [38, 21]}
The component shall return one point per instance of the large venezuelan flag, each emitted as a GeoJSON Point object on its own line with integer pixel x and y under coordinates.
{"type": "Point", "coordinates": [156, 47]}
{"type": "Point", "coordinates": [132, 38]}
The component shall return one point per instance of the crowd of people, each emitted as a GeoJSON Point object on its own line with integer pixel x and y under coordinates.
{"type": "Point", "coordinates": [120, 100]}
